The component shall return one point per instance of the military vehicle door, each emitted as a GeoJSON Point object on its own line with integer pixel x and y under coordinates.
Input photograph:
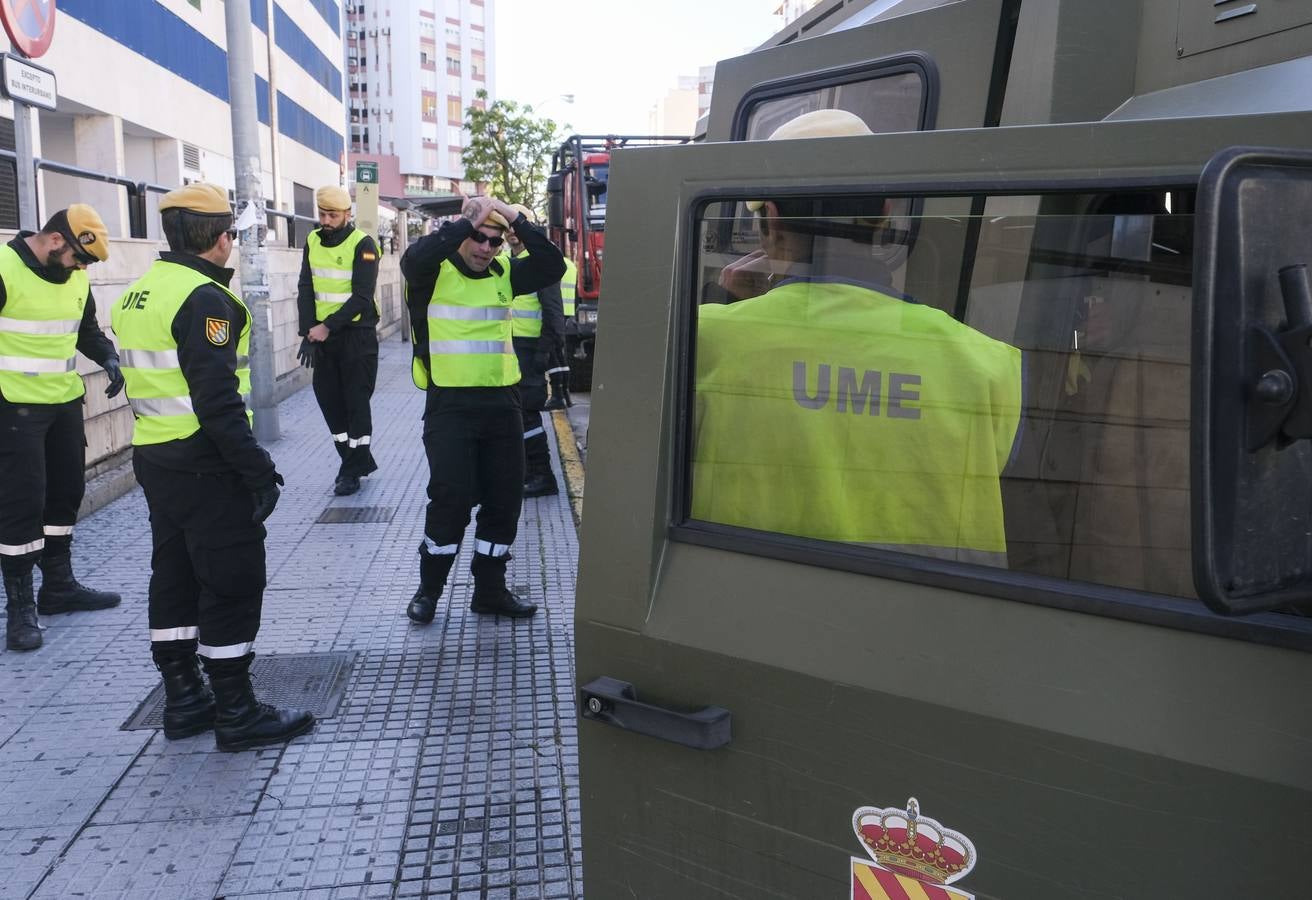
{"type": "Point", "coordinates": [909, 73]}
{"type": "Point", "coordinates": [924, 484]}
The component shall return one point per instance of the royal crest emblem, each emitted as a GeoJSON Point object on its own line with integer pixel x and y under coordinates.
{"type": "Point", "coordinates": [217, 331]}
{"type": "Point", "coordinates": [914, 856]}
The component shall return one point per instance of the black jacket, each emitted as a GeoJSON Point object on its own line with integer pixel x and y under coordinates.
{"type": "Point", "coordinates": [225, 442]}
{"type": "Point", "coordinates": [364, 281]}
{"type": "Point", "coordinates": [541, 268]}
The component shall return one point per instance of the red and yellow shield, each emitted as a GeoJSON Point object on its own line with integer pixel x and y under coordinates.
{"type": "Point", "coordinates": [217, 331]}
{"type": "Point", "coordinates": [871, 882]}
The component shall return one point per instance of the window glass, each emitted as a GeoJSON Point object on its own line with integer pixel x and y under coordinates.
{"type": "Point", "coordinates": [887, 103]}
{"type": "Point", "coordinates": [1008, 389]}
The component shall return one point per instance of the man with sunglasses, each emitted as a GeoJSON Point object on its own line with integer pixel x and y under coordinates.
{"type": "Point", "coordinates": [47, 315]}
{"type": "Point", "coordinates": [185, 339]}
{"type": "Point", "coordinates": [460, 297]}
{"type": "Point", "coordinates": [338, 317]}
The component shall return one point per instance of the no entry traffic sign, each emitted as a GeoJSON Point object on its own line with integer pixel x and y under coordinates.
{"type": "Point", "coordinates": [30, 24]}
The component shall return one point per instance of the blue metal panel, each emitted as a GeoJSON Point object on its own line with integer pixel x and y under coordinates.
{"type": "Point", "coordinates": [296, 44]}
{"type": "Point", "coordinates": [331, 15]}
{"type": "Point", "coordinates": [304, 127]}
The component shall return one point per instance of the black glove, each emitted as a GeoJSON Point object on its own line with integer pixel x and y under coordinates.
{"type": "Point", "coordinates": [308, 354]}
{"type": "Point", "coordinates": [115, 374]}
{"type": "Point", "coordinates": [266, 498]}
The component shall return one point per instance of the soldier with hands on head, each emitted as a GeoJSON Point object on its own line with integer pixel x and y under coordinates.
{"type": "Point", "coordinates": [538, 326]}
{"type": "Point", "coordinates": [338, 317]}
{"type": "Point", "coordinates": [185, 341]}
{"type": "Point", "coordinates": [47, 316]}
{"type": "Point", "coordinates": [460, 297]}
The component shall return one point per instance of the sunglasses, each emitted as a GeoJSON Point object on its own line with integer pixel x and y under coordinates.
{"type": "Point", "coordinates": [479, 237]}
{"type": "Point", "coordinates": [232, 234]}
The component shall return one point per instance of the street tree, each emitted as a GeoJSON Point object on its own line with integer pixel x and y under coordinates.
{"type": "Point", "coordinates": [510, 149]}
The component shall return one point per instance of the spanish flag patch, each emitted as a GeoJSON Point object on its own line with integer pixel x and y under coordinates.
{"type": "Point", "coordinates": [217, 331]}
{"type": "Point", "coordinates": [368, 255]}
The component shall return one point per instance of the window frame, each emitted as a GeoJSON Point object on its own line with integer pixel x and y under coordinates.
{"type": "Point", "coordinates": [870, 70]}
{"type": "Point", "coordinates": [1283, 630]}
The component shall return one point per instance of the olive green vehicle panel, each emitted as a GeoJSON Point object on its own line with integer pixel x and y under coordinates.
{"type": "Point", "coordinates": [770, 815]}
{"type": "Point", "coordinates": [1085, 756]}
{"type": "Point", "coordinates": [949, 36]}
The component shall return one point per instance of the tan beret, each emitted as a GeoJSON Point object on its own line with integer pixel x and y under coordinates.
{"type": "Point", "coordinates": [820, 123]}
{"type": "Point", "coordinates": [88, 231]}
{"type": "Point", "coordinates": [524, 211]}
{"type": "Point", "coordinates": [198, 197]}
{"type": "Point", "coordinates": [496, 220]}
{"type": "Point", "coordinates": [333, 198]}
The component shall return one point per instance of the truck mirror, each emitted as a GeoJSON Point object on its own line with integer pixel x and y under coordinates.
{"type": "Point", "coordinates": [556, 200]}
{"type": "Point", "coordinates": [1252, 389]}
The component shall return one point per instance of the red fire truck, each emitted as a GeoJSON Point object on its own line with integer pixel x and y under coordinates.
{"type": "Point", "coordinates": [576, 222]}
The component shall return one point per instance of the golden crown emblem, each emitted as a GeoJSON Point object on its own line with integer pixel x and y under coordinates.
{"type": "Point", "coordinates": [906, 842]}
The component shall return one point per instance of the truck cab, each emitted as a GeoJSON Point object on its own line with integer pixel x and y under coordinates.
{"type": "Point", "coordinates": [949, 504]}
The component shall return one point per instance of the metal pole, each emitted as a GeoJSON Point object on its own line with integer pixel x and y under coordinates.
{"type": "Point", "coordinates": [246, 161]}
{"type": "Point", "coordinates": [275, 158]}
{"type": "Point", "coordinates": [29, 217]}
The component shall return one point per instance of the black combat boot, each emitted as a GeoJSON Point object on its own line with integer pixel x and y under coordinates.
{"type": "Point", "coordinates": [559, 398]}
{"type": "Point", "coordinates": [433, 570]}
{"type": "Point", "coordinates": [242, 722]}
{"type": "Point", "coordinates": [491, 596]}
{"type": "Point", "coordinates": [540, 484]}
{"type": "Point", "coordinates": [22, 630]}
{"type": "Point", "coordinates": [346, 485]}
{"type": "Point", "coordinates": [61, 593]}
{"type": "Point", "coordinates": [188, 702]}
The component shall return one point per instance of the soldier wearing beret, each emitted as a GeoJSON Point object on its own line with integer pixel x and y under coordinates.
{"type": "Point", "coordinates": [47, 316]}
{"type": "Point", "coordinates": [338, 317]}
{"type": "Point", "coordinates": [185, 340]}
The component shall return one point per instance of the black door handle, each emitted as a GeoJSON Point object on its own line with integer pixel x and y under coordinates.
{"type": "Point", "coordinates": [615, 702]}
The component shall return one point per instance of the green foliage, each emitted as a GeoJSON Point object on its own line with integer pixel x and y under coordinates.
{"type": "Point", "coordinates": [510, 148]}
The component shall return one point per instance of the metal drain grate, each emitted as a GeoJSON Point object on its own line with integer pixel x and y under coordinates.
{"type": "Point", "coordinates": [355, 515]}
{"type": "Point", "coordinates": [313, 681]}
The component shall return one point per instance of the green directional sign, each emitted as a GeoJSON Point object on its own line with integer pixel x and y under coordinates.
{"type": "Point", "coordinates": [366, 173]}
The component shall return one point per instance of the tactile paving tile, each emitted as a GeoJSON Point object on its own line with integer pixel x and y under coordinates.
{"type": "Point", "coordinates": [145, 861]}
{"type": "Point", "coordinates": [341, 774]}
{"type": "Point", "coordinates": [313, 681]}
{"type": "Point", "coordinates": [317, 847]}
{"type": "Point", "coordinates": [57, 792]}
{"type": "Point", "coordinates": [25, 853]}
{"type": "Point", "coordinates": [185, 786]}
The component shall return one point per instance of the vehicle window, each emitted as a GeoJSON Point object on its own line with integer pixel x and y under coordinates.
{"type": "Point", "coordinates": [887, 103]}
{"type": "Point", "coordinates": [1007, 390]}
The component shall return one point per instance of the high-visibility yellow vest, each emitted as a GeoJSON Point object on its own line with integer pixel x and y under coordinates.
{"type": "Point", "coordinates": [525, 312]}
{"type": "Point", "coordinates": [330, 270]}
{"type": "Point", "coordinates": [833, 411]}
{"type": "Point", "coordinates": [569, 287]}
{"type": "Point", "coordinates": [143, 323]}
{"type": "Point", "coordinates": [469, 332]}
{"type": "Point", "coordinates": [38, 333]}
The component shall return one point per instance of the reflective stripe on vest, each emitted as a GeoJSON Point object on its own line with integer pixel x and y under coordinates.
{"type": "Point", "coordinates": [469, 332]}
{"type": "Point", "coordinates": [38, 333]}
{"type": "Point", "coordinates": [526, 313]}
{"type": "Point", "coordinates": [330, 270]}
{"type": "Point", "coordinates": [872, 420]}
{"type": "Point", "coordinates": [143, 323]}
{"type": "Point", "coordinates": [569, 287]}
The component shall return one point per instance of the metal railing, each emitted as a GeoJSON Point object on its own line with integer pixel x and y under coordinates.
{"type": "Point", "coordinates": [138, 190]}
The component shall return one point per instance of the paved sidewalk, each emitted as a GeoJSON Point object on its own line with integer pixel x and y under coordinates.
{"type": "Point", "coordinates": [449, 770]}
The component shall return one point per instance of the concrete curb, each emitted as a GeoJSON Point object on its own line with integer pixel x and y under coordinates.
{"type": "Point", "coordinates": [571, 465]}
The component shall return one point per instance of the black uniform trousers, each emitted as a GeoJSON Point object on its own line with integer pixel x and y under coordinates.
{"type": "Point", "coordinates": [344, 378]}
{"type": "Point", "coordinates": [42, 472]}
{"type": "Point", "coordinates": [533, 396]}
{"type": "Point", "coordinates": [207, 562]}
{"type": "Point", "coordinates": [475, 456]}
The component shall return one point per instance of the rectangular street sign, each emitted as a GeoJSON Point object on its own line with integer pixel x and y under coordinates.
{"type": "Point", "coordinates": [366, 173]}
{"type": "Point", "coordinates": [28, 83]}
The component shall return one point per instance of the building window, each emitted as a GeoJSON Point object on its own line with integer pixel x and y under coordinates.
{"type": "Point", "coordinates": [452, 64]}
{"type": "Point", "coordinates": [430, 158]}
{"type": "Point", "coordinates": [476, 66]}
{"type": "Point", "coordinates": [454, 113]}
{"type": "Point", "coordinates": [428, 104]}
{"type": "Point", "coordinates": [457, 165]}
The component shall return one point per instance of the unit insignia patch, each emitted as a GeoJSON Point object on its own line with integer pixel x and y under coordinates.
{"type": "Point", "coordinates": [914, 856]}
{"type": "Point", "coordinates": [217, 331]}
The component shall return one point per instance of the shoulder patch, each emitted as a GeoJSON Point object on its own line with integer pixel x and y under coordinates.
{"type": "Point", "coordinates": [368, 255]}
{"type": "Point", "coordinates": [217, 331]}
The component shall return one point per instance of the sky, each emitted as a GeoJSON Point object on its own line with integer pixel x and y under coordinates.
{"type": "Point", "coordinates": [617, 57]}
